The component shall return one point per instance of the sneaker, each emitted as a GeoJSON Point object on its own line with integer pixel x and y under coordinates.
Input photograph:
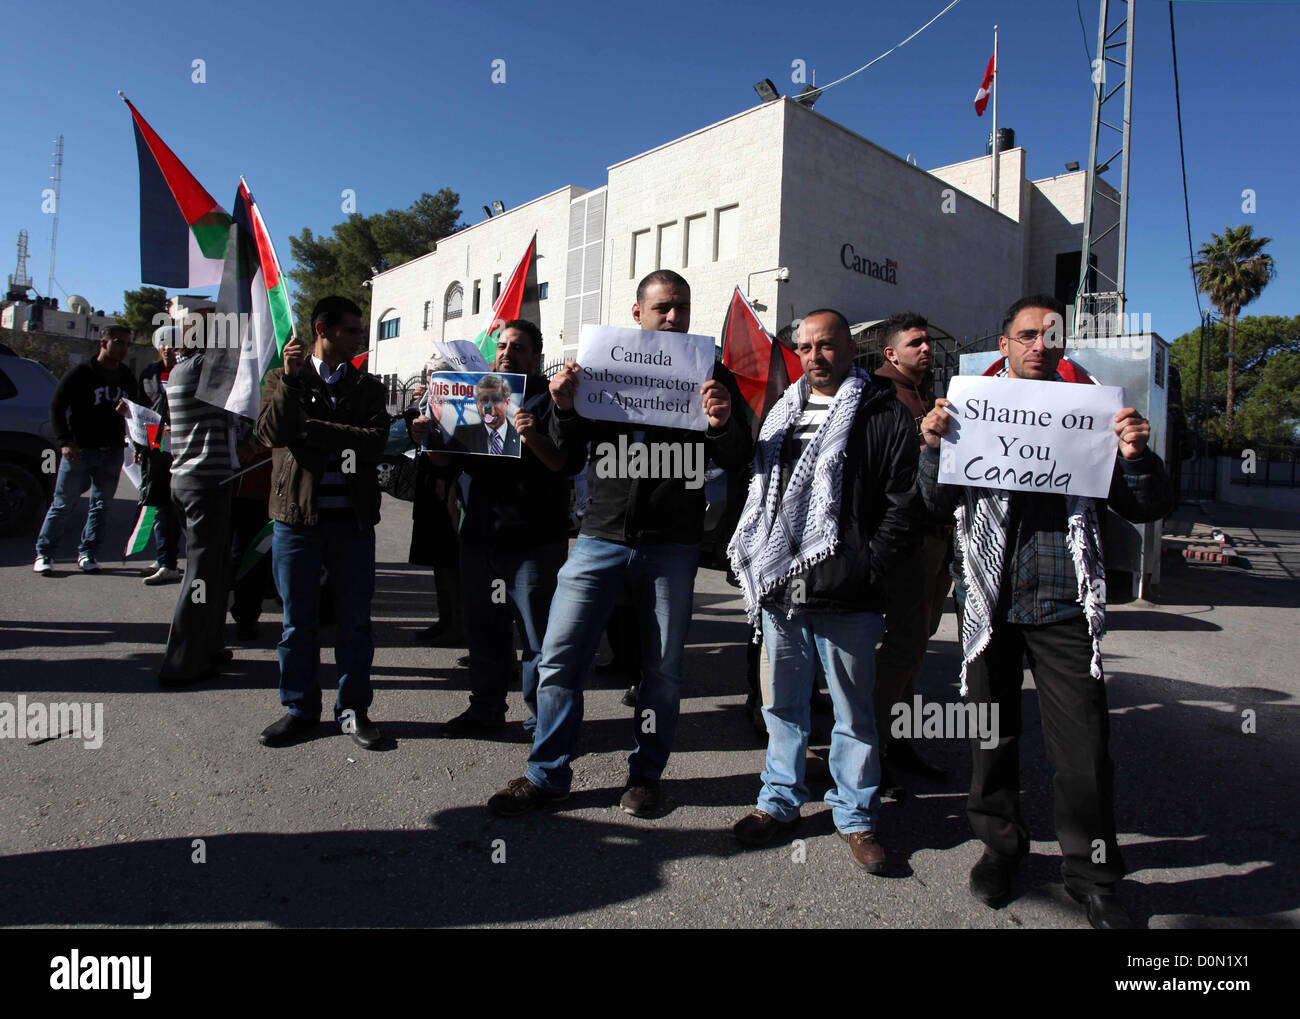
{"type": "Point", "coordinates": [759, 828]}
{"type": "Point", "coordinates": [162, 575]}
{"type": "Point", "coordinates": [43, 564]}
{"type": "Point", "coordinates": [867, 851]}
{"type": "Point", "coordinates": [641, 797]}
{"type": "Point", "coordinates": [87, 564]}
{"type": "Point", "coordinates": [521, 796]}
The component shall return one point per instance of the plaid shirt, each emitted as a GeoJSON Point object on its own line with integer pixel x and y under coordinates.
{"type": "Point", "coordinates": [1039, 584]}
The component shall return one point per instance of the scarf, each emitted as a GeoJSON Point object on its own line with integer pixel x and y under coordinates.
{"type": "Point", "coordinates": [780, 534]}
{"type": "Point", "coordinates": [981, 531]}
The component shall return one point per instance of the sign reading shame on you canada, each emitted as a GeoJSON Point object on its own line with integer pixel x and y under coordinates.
{"type": "Point", "coordinates": [643, 377]}
{"type": "Point", "coordinates": [1028, 436]}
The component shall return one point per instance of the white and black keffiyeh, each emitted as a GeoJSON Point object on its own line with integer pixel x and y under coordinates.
{"type": "Point", "coordinates": [981, 533]}
{"type": "Point", "coordinates": [780, 534]}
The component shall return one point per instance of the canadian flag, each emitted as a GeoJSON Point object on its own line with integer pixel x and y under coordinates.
{"type": "Point", "coordinates": [982, 96]}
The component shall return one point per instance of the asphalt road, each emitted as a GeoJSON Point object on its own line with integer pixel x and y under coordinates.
{"type": "Point", "coordinates": [326, 834]}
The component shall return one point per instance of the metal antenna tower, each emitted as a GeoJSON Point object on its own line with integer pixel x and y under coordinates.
{"type": "Point", "coordinates": [57, 177]}
{"type": "Point", "coordinates": [19, 281]}
{"type": "Point", "coordinates": [1099, 294]}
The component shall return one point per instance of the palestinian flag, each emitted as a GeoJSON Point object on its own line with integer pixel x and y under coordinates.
{"type": "Point", "coordinates": [139, 540]}
{"type": "Point", "coordinates": [260, 545]}
{"type": "Point", "coordinates": [509, 305]}
{"type": "Point", "coordinates": [763, 366]}
{"type": "Point", "coordinates": [183, 231]}
{"type": "Point", "coordinates": [253, 304]}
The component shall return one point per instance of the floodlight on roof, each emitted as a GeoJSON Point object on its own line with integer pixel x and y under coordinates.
{"type": "Point", "coordinates": [766, 90]}
{"type": "Point", "coordinates": [487, 212]}
{"type": "Point", "coordinates": [808, 96]}
{"type": "Point", "coordinates": [1072, 167]}
{"type": "Point", "coordinates": [498, 208]}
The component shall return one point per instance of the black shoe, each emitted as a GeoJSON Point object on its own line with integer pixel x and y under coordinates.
{"type": "Point", "coordinates": [223, 657]}
{"type": "Point", "coordinates": [1105, 912]}
{"type": "Point", "coordinates": [168, 681]}
{"type": "Point", "coordinates": [364, 732]}
{"type": "Point", "coordinates": [288, 730]}
{"type": "Point", "coordinates": [629, 696]}
{"type": "Point", "coordinates": [463, 661]}
{"type": "Point", "coordinates": [903, 755]}
{"type": "Point", "coordinates": [521, 796]}
{"type": "Point", "coordinates": [992, 877]}
{"type": "Point", "coordinates": [641, 797]}
{"type": "Point", "coordinates": [467, 726]}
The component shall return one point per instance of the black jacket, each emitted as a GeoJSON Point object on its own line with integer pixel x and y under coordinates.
{"type": "Point", "coordinates": [880, 513]}
{"type": "Point", "coordinates": [633, 511]}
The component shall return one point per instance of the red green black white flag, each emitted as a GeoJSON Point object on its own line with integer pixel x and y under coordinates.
{"type": "Point", "coordinates": [762, 365]}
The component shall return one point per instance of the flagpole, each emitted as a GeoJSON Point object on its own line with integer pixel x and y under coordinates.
{"type": "Point", "coordinates": [994, 174]}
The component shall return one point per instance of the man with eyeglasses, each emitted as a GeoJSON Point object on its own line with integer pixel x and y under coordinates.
{"type": "Point", "coordinates": [1031, 582]}
{"type": "Point", "coordinates": [90, 432]}
{"type": "Point", "coordinates": [494, 434]}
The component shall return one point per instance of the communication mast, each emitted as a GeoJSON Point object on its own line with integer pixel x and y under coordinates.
{"type": "Point", "coordinates": [57, 177]}
{"type": "Point", "coordinates": [1098, 293]}
{"type": "Point", "coordinates": [19, 281]}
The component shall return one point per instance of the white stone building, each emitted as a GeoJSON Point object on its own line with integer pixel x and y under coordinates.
{"type": "Point", "coordinates": [776, 187]}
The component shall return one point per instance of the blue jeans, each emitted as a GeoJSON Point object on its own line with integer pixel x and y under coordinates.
{"type": "Point", "coordinates": [96, 469]}
{"type": "Point", "coordinates": [167, 529]}
{"type": "Point", "coordinates": [529, 576]}
{"type": "Point", "coordinates": [347, 550]}
{"type": "Point", "coordinates": [846, 644]}
{"type": "Point", "coordinates": [661, 583]}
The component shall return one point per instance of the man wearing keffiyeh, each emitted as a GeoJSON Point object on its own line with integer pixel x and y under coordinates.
{"type": "Point", "coordinates": [1031, 583]}
{"type": "Point", "coordinates": [831, 510]}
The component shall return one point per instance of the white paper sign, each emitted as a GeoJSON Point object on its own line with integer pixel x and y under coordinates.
{"type": "Point", "coordinates": [1028, 436]}
{"type": "Point", "coordinates": [462, 356]}
{"type": "Point", "coordinates": [643, 377]}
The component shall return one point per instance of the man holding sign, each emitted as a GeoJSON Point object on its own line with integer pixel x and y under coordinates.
{"type": "Point", "coordinates": [1031, 583]}
{"type": "Point", "coordinates": [641, 532]}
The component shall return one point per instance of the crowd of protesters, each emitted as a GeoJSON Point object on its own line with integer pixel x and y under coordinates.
{"type": "Point", "coordinates": [845, 552]}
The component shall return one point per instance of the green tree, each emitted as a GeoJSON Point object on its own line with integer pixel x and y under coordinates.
{"type": "Point", "coordinates": [360, 246]}
{"type": "Point", "coordinates": [1232, 270]}
{"type": "Point", "coordinates": [1267, 379]}
{"type": "Point", "coordinates": [141, 307]}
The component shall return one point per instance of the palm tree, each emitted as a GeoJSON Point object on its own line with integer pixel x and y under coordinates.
{"type": "Point", "coordinates": [1232, 270]}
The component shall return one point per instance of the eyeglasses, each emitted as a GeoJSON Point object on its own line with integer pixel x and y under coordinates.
{"type": "Point", "coordinates": [1028, 336]}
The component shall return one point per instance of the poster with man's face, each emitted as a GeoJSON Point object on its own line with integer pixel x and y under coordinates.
{"type": "Point", "coordinates": [475, 411]}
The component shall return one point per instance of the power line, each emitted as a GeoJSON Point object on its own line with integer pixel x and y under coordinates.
{"type": "Point", "coordinates": [819, 91]}
{"type": "Point", "coordinates": [1182, 159]}
{"type": "Point", "coordinates": [1084, 29]}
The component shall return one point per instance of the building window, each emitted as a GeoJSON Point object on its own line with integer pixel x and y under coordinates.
{"type": "Point", "coordinates": [477, 296]}
{"type": "Point", "coordinates": [428, 305]}
{"type": "Point", "coordinates": [670, 246]}
{"type": "Point", "coordinates": [642, 254]}
{"type": "Point", "coordinates": [542, 290]}
{"type": "Point", "coordinates": [389, 328]}
{"type": "Point", "coordinates": [697, 240]}
{"type": "Point", "coordinates": [453, 303]}
{"type": "Point", "coordinates": [726, 233]}
{"type": "Point", "coordinates": [496, 287]}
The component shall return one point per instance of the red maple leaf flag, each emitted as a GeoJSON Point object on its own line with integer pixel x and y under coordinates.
{"type": "Point", "coordinates": [982, 96]}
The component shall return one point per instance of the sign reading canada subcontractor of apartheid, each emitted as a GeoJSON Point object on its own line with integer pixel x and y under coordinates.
{"type": "Point", "coordinates": [643, 377]}
{"type": "Point", "coordinates": [1028, 436]}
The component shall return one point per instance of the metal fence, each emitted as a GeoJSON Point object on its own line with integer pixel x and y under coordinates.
{"type": "Point", "coordinates": [1274, 467]}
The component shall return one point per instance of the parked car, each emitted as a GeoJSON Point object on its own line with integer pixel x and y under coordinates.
{"type": "Point", "coordinates": [28, 450]}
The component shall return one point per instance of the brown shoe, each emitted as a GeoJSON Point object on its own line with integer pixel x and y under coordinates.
{"type": "Point", "coordinates": [521, 796]}
{"type": "Point", "coordinates": [867, 851]}
{"type": "Point", "coordinates": [759, 828]}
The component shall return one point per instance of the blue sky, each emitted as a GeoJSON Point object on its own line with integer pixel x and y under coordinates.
{"type": "Point", "coordinates": [391, 99]}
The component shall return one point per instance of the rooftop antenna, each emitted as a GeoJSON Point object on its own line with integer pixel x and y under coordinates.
{"type": "Point", "coordinates": [19, 281]}
{"type": "Point", "coordinates": [57, 177]}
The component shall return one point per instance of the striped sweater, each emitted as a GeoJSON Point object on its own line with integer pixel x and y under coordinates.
{"type": "Point", "coordinates": [203, 437]}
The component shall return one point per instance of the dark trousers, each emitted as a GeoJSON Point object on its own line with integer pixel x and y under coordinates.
{"type": "Point", "coordinates": [247, 518]}
{"type": "Point", "coordinates": [498, 586]}
{"type": "Point", "coordinates": [199, 620]}
{"type": "Point", "coordinates": [1076, 731]}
